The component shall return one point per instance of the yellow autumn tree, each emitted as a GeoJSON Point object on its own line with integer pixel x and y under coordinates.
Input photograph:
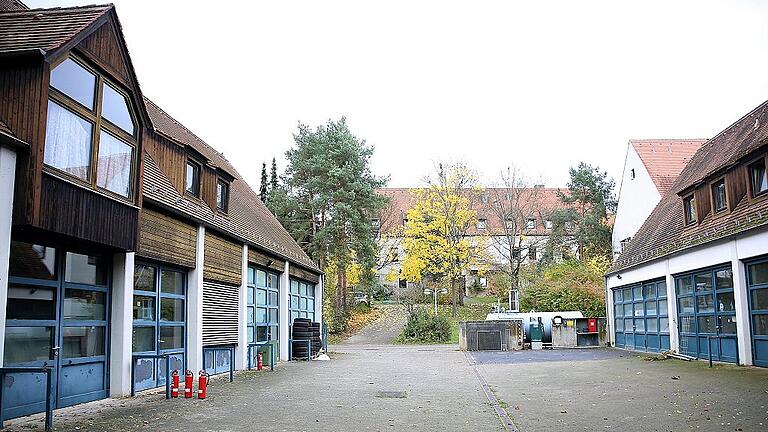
{"type": "Point", "coordinates": [435, 239]}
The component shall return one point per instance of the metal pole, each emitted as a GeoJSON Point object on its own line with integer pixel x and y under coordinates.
{"type": "Point", "coordinates": [48, 407]}
{"type": "Point", "coordinates": [231, 364]}
{"type": "Point", "coordinates": [133, 376]}
{"type": "Point", "coordinates": [434, 293]}
{"type": "Point", "coordinates": [2, 384]}
{"type": "Point", "coordinates": [709, 349]}
{"type": "Point", "coordinates": [167, 376]}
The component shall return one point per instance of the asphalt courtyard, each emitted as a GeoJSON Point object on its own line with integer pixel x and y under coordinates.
{"type": "Point", "coordinates": [438, 388]}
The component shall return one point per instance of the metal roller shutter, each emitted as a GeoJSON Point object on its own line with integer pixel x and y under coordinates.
{"type": "Point", "coordinates": [220, 314]}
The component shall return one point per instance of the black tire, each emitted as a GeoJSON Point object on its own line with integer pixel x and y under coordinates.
{"type": "Point", "coordinates": [316, 325]}
{"type": "Point", "coordinates": [302, 327]}
{"type": "Point", "coordinates": [302, 335]}
{"type": "Point", "coordinates": [302, 320]}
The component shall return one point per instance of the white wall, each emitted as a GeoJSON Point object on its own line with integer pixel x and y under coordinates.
{"type": "Point", "coordinates": [121, 328]}
{"type": "Point", "coordinates": [195, 307]}
{"type": "Point", "coordinates": [637, 199]}
{"type": "Point", "coordinates": [730, 251]}
{"type": "Point", "coordinates": [7, 181]}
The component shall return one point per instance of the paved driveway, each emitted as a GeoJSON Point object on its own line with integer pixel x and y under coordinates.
{"type": "Point", "coordinates": [613, 390]}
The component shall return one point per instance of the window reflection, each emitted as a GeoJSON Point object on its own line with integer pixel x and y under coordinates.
{"type": "Point", "coordinates": [31, 303]}
{"type": "Point", "coordinates": [83, 342]}
{"type": "Point", "coordinates": [115, 109]}
{"type": "Point", "coordinates": [113, 171]}
{"type": "Point", "coordinates": [74, 81]}
{"type": "Point", "coordinates": [84, 305]}
{"type": "Point", "coordinates": [27, 344]}
{"type": "Point", "coordinates": [32, 261]}
{"type": "Point", "coordinates": [86, 269]}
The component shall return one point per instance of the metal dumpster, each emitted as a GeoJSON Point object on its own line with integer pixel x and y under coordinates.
{"type": "Point", "coordinates": [498, 335]}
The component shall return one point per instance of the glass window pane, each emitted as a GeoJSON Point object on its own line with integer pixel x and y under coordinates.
{"type": "Point", "coordinates": [31, 303]}
{"type": "Point", "coordinates": [616, 295]}
{"type": "Point", "coordinates": [302, 303]}
{"type": "Point", "coordinates": [172, 282]}
{"type": "Point", "coordinates": [617, 310]}
{"type": "Point", "coordinates": [640, 325]}
{"type": "Point", "coordinates": [273, 298]}
{"type": "Point", "coordinates": [294, 302]}
{"type": "Point", "coordinates": [261, 278]}
{"type": "Point", "coordinates": [662, 307]}
{"type": "Point", "coordinates": [652, 325]}
{"type": "Point", "coordinates": [273, 315]}
{"type": "Point", "coordinates": [685, 305]}
{"type": "Point", "coordinates": [251, 275]}
{"type": "Point", "coordinates": [639, 309]}
{"type": "Point", "coordinates": [114, 108]}
{"type": "Point", "coordinates": [619, 325]}
{"type": "Point", "coordinates": [703, 282]}
{"type": "Point", "coordinates": [85, 305]}
{"type": "Point", "coordinates": [759, 177]}
{"type": "Point", "coordinates": [684, 285]}
{"type": "Point", "coordinates": [758, 273]}
{"type": "Point", "coordinates": [261, 297]}
{"type": "Point", "coordinates": [650, 307]}
{"type": "Point", "coordinates": [74, 81]}
{"type": "Point", "coordinates": [273, 333]}
{"type": "Point", "coordinates": [629, 325]}
{"type": "Point", "coordinates": [759, 299]}
{"type": "Point", "coordinates": [275, 281]}
{"type": "Point", "coordinates": [27, 344]}
{"type": "Point", "coordinates": [294, 287]}
{"type": "Point", "coordinates": [113, 169]}
{"type": "Point", "coordinates": [627, 294]}
{"type": "Point", "coordinates": [637, 292]}
{"type": "Point", "coordinates": [664, 325]}
{"type": "Point", "coordinates": [759, 325]}
{"type": "Point", "coordinates": [143, 308]}
{"type": "Point", "coordinates": [727, 324]}
{"type": "Point", "coordinates": [251, 334]}
{"type": "Point", "coordinates": [706, 303]}
{"type": "Point", "coordinates": [724, 279]}
{"type": "Point", "coordinates": [310, 290]}
{"type": "Point", "coordinates": [311, 304]}
{"type": "Point", "coordinates": [261, 315]}
{"type": "Point", "coordinates": [32, 261]}
{"type": "Point", "coordinates": [68, 141]}
{"type": "Point", "coordinates": [250, 295]}
{"type": "Point", "coordinates": [294, 315]}
{"type": "Point", "coordinates": [649, 291]}
{"type": "Point", "coordinates": [171, 337]}
{"type": "Point", "coordinates": [250, 315]}
{"type": "Point", "coordinates": [262, 333]}
{"type": "Point", "coordinates": [86, 269]}
{"type": "Point", "coordinates": [687, 324]}
{"type": "Point", "coordinates": [628, 309]}
{"type": "Point", "coordinates": [144, 278]}
{"type": "Point", "coordinates": [82, 342]}
{"type": "Point", "coordinates": [143, 339]}
{"type": "Point", "coordinates": [726, 302]}
{"type": "Point", "coordinates": [707, 324]}
{"type": "Point", "coordinates": [661, 289]}
{"type": "Point", "coordinates": [171, 309]}
{"type": "Point", "coordinates": [192, 184]}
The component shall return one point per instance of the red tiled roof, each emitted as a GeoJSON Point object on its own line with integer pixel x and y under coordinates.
{"type": "Point", "coordinates": [45, 29]}
{"type": "Point", "coordinates": [539, 202]}
{"type": "Point", "coordinates": [12, 5]}
{"type": "Point", "coordinates": [664, 233]}
{"type": "Point", "coordinates": [665, 158]}
{"type": "Point", "coordinates": [247, 218]}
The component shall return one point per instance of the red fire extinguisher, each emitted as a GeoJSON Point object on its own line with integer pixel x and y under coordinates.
{"type": "Point", "coordinates": [259, 362]}
{"type": "Point", "coordinates": [189, 379]}
{"type": "Point", "coordinates": [203, 385]}
{"type": "Point", "coordinates": [175, 384]}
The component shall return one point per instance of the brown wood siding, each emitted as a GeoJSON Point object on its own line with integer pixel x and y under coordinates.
{"type": "Point", "coordinates": [222, 260]}
{"type": "Point", "coordinates": [103, 47]}
{"type": "Point", "coordinates": [736, 185]}
{"type": "Point", "coordinates": [220, 314]}
{"type": "Point", "coordinates": [301, 273]}
{"type": "Point", "coordinates": [263, 260]}
{"type": "Point", "coordinates": [24, 107]}
{"type": "Point", "coordinates": [208, 179]}
{"type": "Point", "coordinates": [170, 157]}
{"type": "Point", "coordinates": [165, 238]}
{"type": "Point", "coordinates": [703, 202]}
{"type": "Point", "coordinates": [73, 211]}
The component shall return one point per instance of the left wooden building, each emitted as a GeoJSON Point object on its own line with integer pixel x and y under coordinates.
{"type": "Point", "coordinates": [121, 232]}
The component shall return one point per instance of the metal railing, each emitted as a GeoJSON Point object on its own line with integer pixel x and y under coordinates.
{"type": "Point", "coordinates": [48, 371]}
{"type": "Point", "coordinates": [258, 345]}
{"type": "Point", "coordinates": [231, 350]}
{"type": "Point", "coordinates": [166, 357]}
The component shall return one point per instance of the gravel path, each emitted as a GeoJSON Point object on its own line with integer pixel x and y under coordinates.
{"type": "Point", "coordinates": [383, 330]}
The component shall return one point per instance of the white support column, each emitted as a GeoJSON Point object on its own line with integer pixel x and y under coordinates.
{"type": "Point", "coordinates": [241, 351]}
{"type": "Point", "coordinates": [740, 297]}
{"type": "Point", "coordinates": [610, 317]}
{"type": "Point", "coordinates": [121, 326]}
{"type": "Point", "coordinates": [195, 307]}
{"type": "Point", "coordinates": [7, 182]}
{"type": "Point", "coordinates": [285, 317]}
{"type": "Point", "coordinates": [319, 296]}
{"type": "Point", "coordinates": [674, 335]}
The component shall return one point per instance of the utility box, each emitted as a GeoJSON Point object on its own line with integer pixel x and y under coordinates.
{"type": "Point", "coordinates": [499, 335]}
{"type": "Point", "coordinates": [578, 332]}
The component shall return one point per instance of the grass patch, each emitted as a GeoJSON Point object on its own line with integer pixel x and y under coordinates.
{"type": "Point", "coordinates": [468, 312]}
{"type": "Point", "coordinates": [358, 318]}
{"type": "Point", "coordinates": [485, 300]}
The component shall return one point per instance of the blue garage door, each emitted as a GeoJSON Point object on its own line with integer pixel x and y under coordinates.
{"type": "Point", "coordinates": [757, 279]}
{"type": "Point", "coordinates": [640, 317]}
{"type": "Point", "coordinates": [57, 315]}
{"type": "Point", "coordinates": [707, 314]}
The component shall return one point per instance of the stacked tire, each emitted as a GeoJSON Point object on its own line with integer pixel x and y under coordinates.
{"type": "Point", "coordinates": [303, 330]}
{"type": "Point", "coordinates": [316, 340]}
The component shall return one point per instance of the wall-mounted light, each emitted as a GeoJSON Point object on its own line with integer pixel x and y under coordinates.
{"type": "Point", "coordinates": [618, 276]}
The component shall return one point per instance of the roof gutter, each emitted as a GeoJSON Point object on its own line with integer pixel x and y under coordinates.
{"type": "Point", "coordinates": [12, 141]}
{"type": "Point", "coordinates": [27, 52]}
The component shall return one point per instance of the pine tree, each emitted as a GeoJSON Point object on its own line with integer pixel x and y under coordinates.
{"type": "Point", "coordinates": [273, 175]}
{"type": "Point", "coordinates": [263, 188]}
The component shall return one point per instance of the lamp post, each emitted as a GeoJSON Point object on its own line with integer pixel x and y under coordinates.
{"type": "Point", "coordinates": [428, 291]}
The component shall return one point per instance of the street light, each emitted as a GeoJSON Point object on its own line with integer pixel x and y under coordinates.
{"type": "Point", "coordinates": [428, 291]}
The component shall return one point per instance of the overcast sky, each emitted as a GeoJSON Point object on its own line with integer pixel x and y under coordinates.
{"type": "Point", "coordinates": [541, 85]}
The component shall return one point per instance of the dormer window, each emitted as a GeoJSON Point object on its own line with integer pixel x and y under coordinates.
{"type": "Point", "coordinates": [482, 224]}
{"type": "Point", "coordinates": [90, 129]}
{"type": "Point", "coordinates": [758, 178]}
{"type": "Point", "coordinates": [222, 195]}
{"type": "Point", "coordinates": [719, 201]}
{"type": "Point", "coordinates": [530, 223]}
{"type": "Point", "coordinates": [192, 183]}
{"type": "Point", "coordinates": [510, 224]}
{"type": "Point", "coordinates": [548, 224]}
{"type": "Point", "coordinates": [689, 208]}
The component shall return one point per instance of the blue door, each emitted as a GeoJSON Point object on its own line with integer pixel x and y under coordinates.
{"type": "Point", "coordinates": [707, 314]}
{"type": "Point", "coordinates": [57, 316]}
{"type": "Point", "coordinates": [757, 280]}
{"type": "Point", "coordinates": [640, 317]}
{"type": "Point", "coordinates": [159, 321]}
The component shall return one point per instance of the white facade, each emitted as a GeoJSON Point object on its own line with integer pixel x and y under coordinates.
{"type": "Point", "coordinates": [729, 252]}
{"type": "Point", "coordinates": [638, 196]}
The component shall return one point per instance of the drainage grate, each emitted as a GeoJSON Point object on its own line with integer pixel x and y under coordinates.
{"type": "Point", "coordinates": [392, 394]}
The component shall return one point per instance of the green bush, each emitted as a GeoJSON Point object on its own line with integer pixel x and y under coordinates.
{"type": "Point", "coordinates": [570, 285]}
{"type": "Point", "coordinates": [423, 327]}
